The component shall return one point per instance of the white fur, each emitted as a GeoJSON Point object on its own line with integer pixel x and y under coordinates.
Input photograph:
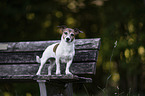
{"type": "Point", "coordinates": [64, 53]}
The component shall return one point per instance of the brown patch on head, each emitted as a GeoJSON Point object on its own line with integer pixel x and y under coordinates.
{"type": "Point", "coordinates": [72, 39]}
{"type": "Point", "coordinates": [65, 30]}
{"type": "Point", "coordinates": [72, 36]}
{"type": "Point", "coordinates": [69, 32]}
{"type": "Point", "coordinates": [62, 27]}
{"type": "Point", "coordinates": [55, 47]}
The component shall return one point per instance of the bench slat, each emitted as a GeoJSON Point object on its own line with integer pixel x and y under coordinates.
{"type": "Point", "coordinates": [41, 45]}
{"type": "Point", "coordinates": [62, 78]}
{"type": "Point", "coordinates": [29, 57]}
{"type": "Point", "coordinates": [31, 69]}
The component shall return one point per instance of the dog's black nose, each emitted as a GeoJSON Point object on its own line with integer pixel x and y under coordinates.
{"type": "Point", "coordinates": [67, 39]}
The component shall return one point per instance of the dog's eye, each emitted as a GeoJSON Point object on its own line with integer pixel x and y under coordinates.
{"type": "Point", "coordinates": [65, 33]}
{"type": "Point", "coordinates": [72, 35]}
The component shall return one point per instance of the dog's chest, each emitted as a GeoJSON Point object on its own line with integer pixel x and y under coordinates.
{"type": "Point", "coordinates": [66, 55]}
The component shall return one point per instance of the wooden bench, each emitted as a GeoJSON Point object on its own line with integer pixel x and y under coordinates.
{"type": "Point", "coordinates": [18, 63]}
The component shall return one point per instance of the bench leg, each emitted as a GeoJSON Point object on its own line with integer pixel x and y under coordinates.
{"type": "Point", "coordinates": [42, 87]}
{"type": "Point", "coordinates": [68, 89]}
{"type": "Point", "coordinates": [55, 89]}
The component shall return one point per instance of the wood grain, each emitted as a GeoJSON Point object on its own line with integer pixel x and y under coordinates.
{"type": "Point", "coordinates": [30, 57]}
{"type": "Point", "coordinates": [31, 69]}
{"type": "Point", "coordinates": [42, 45]}
{"type": "Point", "coordinates": [52, 78]}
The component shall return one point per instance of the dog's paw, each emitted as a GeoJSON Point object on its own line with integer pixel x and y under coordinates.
{"type": "Point", "coordinates": [69, 73]}
{"type": "Point", "coordinates": [49, 74]}
{"type": "Point", "coordinates": [37, 74]}
{"type": "Point", "coordinates": [58, 73]}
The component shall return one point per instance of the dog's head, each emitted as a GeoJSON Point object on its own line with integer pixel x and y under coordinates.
{"type": "Point", "coordinates": [68, 33]}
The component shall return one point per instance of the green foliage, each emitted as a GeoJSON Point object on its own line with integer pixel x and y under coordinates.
{"type": "Point", "coordinates": [110, 20]}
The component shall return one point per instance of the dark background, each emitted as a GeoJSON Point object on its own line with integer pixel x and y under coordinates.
{"type": "Point", "coordinates": [120, 70]}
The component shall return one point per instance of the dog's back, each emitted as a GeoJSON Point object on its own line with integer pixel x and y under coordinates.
{"type": "Point", "coordinates": [50, 51]}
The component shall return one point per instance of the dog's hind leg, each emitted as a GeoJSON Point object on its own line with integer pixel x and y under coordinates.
{"type": "Point", "coordinates": [52, 63]}
{"type": "Point", "coordinates": [43, 61]}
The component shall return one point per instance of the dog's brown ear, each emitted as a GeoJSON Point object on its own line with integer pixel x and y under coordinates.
{"type": "Point", "coordinates": [77, 31]}
{"type": "Point", "coordinates": [61, 28]}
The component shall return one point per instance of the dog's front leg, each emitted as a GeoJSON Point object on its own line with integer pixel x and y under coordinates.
{"type": "Point", "coordinates": [57, 66]}
{"type": "Point", "coordinates": [67, 67]}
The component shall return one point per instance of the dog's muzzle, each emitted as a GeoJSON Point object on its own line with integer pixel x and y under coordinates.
{"type": "Point", "coordinates": [67, 39]}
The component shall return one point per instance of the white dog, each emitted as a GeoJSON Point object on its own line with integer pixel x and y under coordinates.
{"type": "Point", "coordinates": [62, 52]}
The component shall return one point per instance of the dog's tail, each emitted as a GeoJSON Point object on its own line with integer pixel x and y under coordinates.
{"type": "Point", "coordinates": [38, 59]}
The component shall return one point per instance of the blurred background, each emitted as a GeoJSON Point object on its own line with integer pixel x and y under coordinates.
{"type": "Point", "coordinates": [120, 69]}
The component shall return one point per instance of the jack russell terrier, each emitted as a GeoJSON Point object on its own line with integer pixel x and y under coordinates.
{"type": "Point", "coordinates": [62, 52]}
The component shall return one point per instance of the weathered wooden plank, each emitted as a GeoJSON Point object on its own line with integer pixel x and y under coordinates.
{"type": "Point", "coordinates": [29, 57]}
{"type": "Point", "coordinates": [41, 45]}
{"type": "Point", "coordinates": [63, 78]}
{"type": "Point", "coordinates": [31, 69]}
{"type": "Point", "coordinates": [3, 46]}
